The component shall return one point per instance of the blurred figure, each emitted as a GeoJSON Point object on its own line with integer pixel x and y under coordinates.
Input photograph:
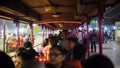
{"type": "Point", "coordinates": [93, 39]}
{"type": "Point", "coordinates": [79, 52]}
{"type": "Point", "coordinates": [27, 44]}
{"type": "Point", "coordinates": [22, 57]}
{"type": "Point", "coordinates": [46, 48]}
{"type": "Point", "coordinates": [5, 61]}
{"type": "Point", "coordinates": [82, 53]}
{"type": "Point", "coordinates": [105, 37]}
{"type": "Point", "coordinates": [98, 61]}
{"type": "Point", "coordinates": [57, 57]}
{"type": "Point", "coordinates": [32, 64]}
{"type": "Point", "coordinates": [64, 37]}
{"type": "Point", "coordinates": [72, 41]}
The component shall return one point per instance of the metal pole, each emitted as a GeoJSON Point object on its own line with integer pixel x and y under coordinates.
{"type": "Point", "coordinates": [82, 33]}
{"type": "Point", "coordinates": [16, 21]}
{"type": "Point", "coordinates": [42, 33]}
{"type": "Point", "coordinates": [4, 23]}
{"type": "Point", "coordinates": [88, 43]}
{"type": "Point", "coordinates": [32, 39]}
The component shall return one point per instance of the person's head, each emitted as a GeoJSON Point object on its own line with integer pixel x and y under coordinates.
{"type": "Point", "coordinates": [20, 49]}
{"type": "Point", "coordinates": [79, 52]}
{"type": "Point", "coordinates": [98, 61]}
{"type": "Point", "coordinates": [27, 44]}
{"type": "Point", "coordinates": [32, 64]}
{"type": "Point", "coordinates": [22, 57]}
{"type": "Point", "coordinates": [94, 30]}
{"type": "Point", "coordinates": [50, 35]}
{"type": "Point", "coordinates": [32, 51]}
{"type": "Point", "coordinates": [57, 55]}
{"type": "Point", "coordinates": [5, 61]}
{"type": "Point", "coordinates": [72, 41]}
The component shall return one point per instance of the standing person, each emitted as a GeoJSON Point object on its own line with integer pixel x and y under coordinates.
{"type": "Point", "coordinates": [93, 40]}
{"type": "Point", "coordinates": [105, 37]}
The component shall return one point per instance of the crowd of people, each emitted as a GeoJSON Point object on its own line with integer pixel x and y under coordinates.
{"type": "Point", "coordinates": [59, 51]}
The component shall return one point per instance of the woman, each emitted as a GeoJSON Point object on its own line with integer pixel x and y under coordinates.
{"type": "Point", "coordinates": [57, 56]}
{"type": "Point", "coordinates": [22, 57]}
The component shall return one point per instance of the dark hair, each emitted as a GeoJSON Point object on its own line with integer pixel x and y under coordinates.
{"type": "Point", "coordinates": [20, 49]}
{"type": "Point", "coordinates": [32, 51]}
{"type": "Point", "coordinates": [73, 39]}
{"type": "Point", "coordinates": [25, 55]}
{"type": "Point", "coordinates": [49, 65]}
{"type": "Point", "coordinates": [5, 61]}
{"type": "Point", "coordinates": [79, 51]}
{"type": "Point", "coordinates": [98, 61]}
{"type": "Point", "coordinates": [60, 48]}
{"type": "Point", "coordinates": [32, 64]}
{"type": "Point", "coordinates": [28, 44]}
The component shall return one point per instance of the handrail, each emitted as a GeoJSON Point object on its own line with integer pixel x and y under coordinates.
{"type": "Point", "coordinates": [37, 45]}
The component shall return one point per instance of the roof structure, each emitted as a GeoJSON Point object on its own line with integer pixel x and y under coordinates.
{"type": "Point", "coordinates": [54, 14]}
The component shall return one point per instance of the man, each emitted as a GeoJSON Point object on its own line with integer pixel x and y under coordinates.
{"type": "Point", "coordinates": [93, 39]}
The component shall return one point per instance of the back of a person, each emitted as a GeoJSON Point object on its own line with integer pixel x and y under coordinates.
{"type": "Point", "coordinates": [98, 61]}
{"type": "Point", "coordinates": [5, 61]}
{"type": "Point", "coordinates": [76, 63]}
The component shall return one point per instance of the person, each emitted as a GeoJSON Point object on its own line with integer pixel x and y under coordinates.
{"type": "Point", "coordinates": [105, 37]}
{"type": "Point", "coordinates": [32, 64]}
{"type": "Point", "coordinates": [98, 61]}
{"type": "Point", "coordinates": [22, 57]}
{"type": "Point", "coordinates": [79, 52]}
{"type": "Point", "coordinates": [80, 36]}
{"type": "Point", "coordinates": [6, 61]}
{"type": "Point", "coordinates": [57, 57]}
{"type": "Point", "coordinates": [64, 37]}
{"type": "Point", "coordinates": [27, 44]}
{"type": "Point", "coordinates": [93, 39]}
{"type": "Point", "coordinates": [72, 41]}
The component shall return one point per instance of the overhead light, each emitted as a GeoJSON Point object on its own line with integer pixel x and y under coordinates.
{"type": "Point", "coordinates": [47, 9]}
{"type": "Point", "coordinates": [56, 15]}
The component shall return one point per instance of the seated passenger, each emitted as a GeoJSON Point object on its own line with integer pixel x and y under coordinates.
{"type": "Point", "coordinates": [22, 57]}
{"type": "Point", "coordinates": [5, 61]}
{"type": "Point", "coordinates": [72, 41]}
{"type": "Point", "coordinates": [98, 61]}
{"type": "Point", "coordinates": [78, 55]}
{"type": "Point", "coordinates": [57, 57]}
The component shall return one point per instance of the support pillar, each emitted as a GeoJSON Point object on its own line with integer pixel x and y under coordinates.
{"type": "Point", "coordinates": [16, 21]}
{"type": "Point", "coordinates": [100, 17]}
{"type": "Point", "coordinates": [4, 31]}
{"type": "Point", "coordinates": [88, 41]}
{"type": "Point", "coordinates": [32, 35]}
{"type": "Point", "coordinates": [82, 33]}
{"type": "Point", "coordinates": [42, 33]}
